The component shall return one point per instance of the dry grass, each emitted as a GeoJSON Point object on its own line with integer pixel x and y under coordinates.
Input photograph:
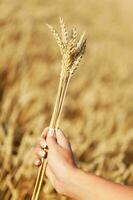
{"type": "Point", "coordinates": [99, 118]}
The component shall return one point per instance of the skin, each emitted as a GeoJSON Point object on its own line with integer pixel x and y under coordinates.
{"type": "Point", "coordinates": [70, 181]}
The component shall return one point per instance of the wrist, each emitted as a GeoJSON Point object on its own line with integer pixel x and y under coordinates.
{"type": "Point", "coordinates": [76, 185]}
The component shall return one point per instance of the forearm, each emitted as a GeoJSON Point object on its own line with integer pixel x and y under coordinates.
{"type": "Point", "coordinates": [84, 186]}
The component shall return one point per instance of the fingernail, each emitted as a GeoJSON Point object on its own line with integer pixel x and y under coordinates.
{"type": "Point", "coordinates": [43, 144]}
{"type": "Point", "coordinates": [50, 132]}
{"type": "Point", "coordinates": [42, 154]}
{"type": "Point", "coordinates": [59, 131]}
{"type": "Point", "coordinates": [37, 162]}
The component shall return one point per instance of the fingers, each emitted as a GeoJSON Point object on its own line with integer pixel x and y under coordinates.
{"type": "Point", "coordinates": [51, 139]}
{"type": "Point", "coordinates": [44, 133]}
{"type": "Point", "coordinates": [38, 162]}
{"type": "Point", "coordinates": [40, 152]}
{"type": "Point", "coordinates": [62, 140]}
{"type": "Point", "coordinates": [49, 136]}
{"type": "Point", "coordinates": [42, 143]}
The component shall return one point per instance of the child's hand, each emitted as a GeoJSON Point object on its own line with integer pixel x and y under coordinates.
{"type": "Point", "coordinates": [60, 158]}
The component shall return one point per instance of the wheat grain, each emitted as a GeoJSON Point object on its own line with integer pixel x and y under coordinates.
{"type": "Point", "coordinates": [57, 37]}
{"type": "Point", "coordinates": [64, 32]}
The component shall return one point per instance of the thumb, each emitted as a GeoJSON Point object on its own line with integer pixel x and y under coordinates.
{"type": "Point", "coordinates": [51, 140]}
{"type": "Point", "coordinates": [62, 140]}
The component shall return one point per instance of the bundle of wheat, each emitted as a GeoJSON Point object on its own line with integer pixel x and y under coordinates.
{"type": "Point", "coordinates": [72, 52]}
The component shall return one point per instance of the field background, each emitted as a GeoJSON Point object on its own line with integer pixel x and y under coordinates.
{"type": "Point", "coordinates": [98, 111]}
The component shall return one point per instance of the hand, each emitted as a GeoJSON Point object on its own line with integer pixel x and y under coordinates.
{"type": "Point", "coordinates": [60, 159]}
{"type": "Point", "coordinates": [67, 179]}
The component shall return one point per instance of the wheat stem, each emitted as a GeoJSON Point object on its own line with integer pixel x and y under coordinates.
{"type": "Point", "coordinates": [42, 168]}
{"type": "Point", "coordinates": [67, 80]}
{"type": "Point", "coordinates": [54, 116]}
{"type": "Point", "coordinates": [39, 180]}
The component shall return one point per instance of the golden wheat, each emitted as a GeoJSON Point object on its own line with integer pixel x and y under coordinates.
{"type": "Point", "coordinates": [71, 56]}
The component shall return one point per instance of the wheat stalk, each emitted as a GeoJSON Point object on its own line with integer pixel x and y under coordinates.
{"type": "Point", "coordinates": [72, 51]}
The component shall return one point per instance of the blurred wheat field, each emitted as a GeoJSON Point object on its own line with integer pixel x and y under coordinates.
{"type": "Point", "coordinates": [98, 112]}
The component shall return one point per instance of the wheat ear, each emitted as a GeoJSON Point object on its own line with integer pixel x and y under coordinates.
{"type": "Point", "coordinates": [72, 52]}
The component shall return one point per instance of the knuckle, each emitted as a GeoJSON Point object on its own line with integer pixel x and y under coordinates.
{"type": "Point", "coordinates": [37, 150]}
{"type": "Point", "coordinates": [41, 141]}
